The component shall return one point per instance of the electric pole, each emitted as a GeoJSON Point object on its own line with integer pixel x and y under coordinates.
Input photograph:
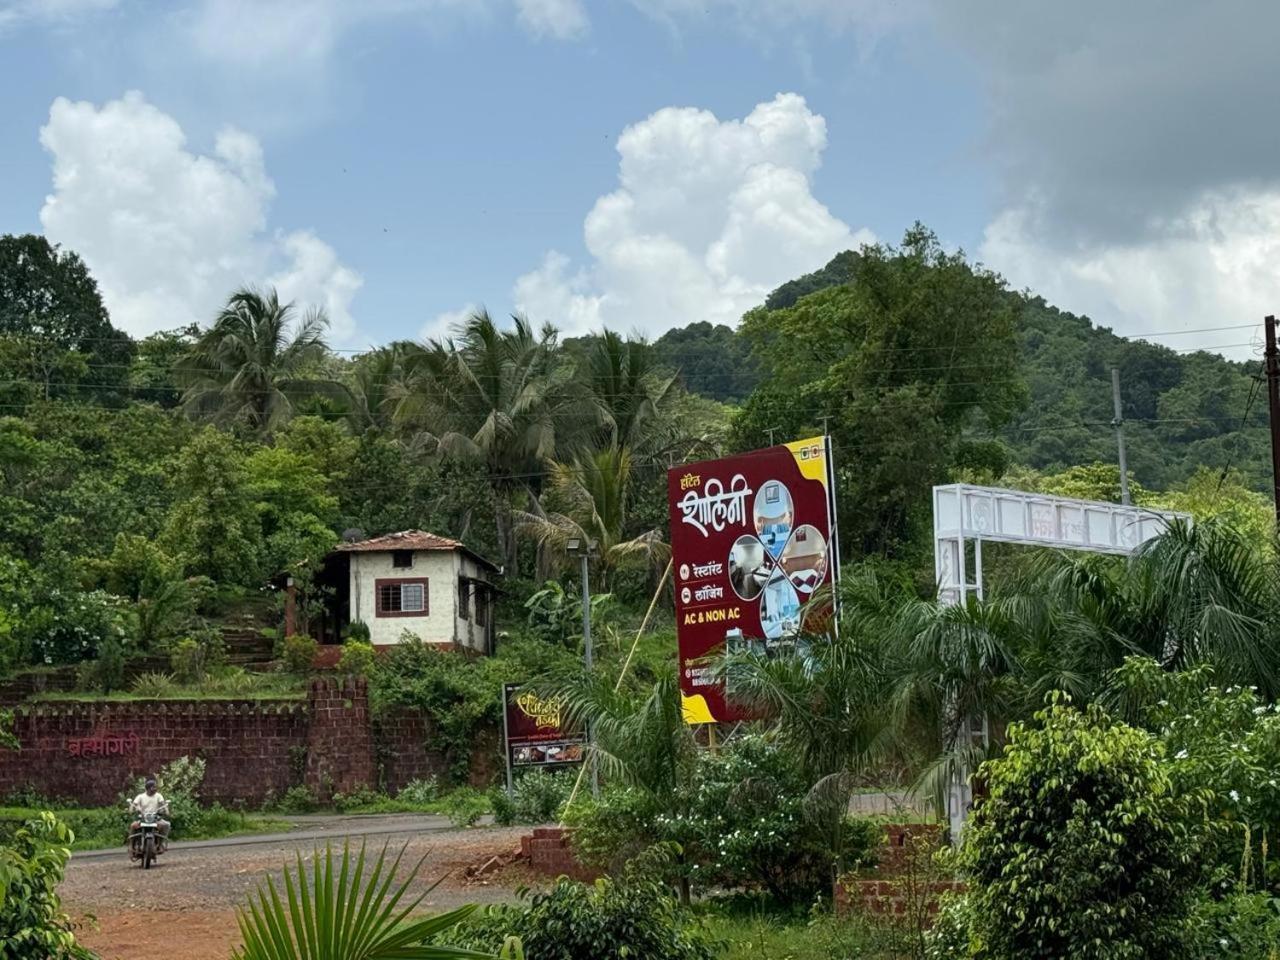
{"type": "Point", "coordinates": [1118, 423]}
{"type": "Point", "coordinates": [1273, 408]}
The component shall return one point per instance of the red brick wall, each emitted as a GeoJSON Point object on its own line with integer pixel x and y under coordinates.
{"type": "Point", "coordinates": [251, 748]}
{"type": "Point", "coordinates": [405, 751]}
{"type": "Point", "coordinates": [549, 851]}
{"type": "Point", "coordinates": [904, 885]}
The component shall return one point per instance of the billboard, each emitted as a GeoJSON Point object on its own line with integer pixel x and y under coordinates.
{"type": "Point", "coordinates": [535, 733]}
{"type": "Point", "coordinates": [751, 541]}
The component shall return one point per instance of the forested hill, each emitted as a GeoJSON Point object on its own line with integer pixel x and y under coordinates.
{"type": "Point", "coordinates": [1182, 410]}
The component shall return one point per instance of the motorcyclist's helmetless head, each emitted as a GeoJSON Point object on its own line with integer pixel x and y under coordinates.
{"type": "Point", "coordinates": [151, 784]}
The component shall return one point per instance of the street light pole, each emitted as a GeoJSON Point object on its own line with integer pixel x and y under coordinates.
{"type": "Point", "coordinates": [584, 550]}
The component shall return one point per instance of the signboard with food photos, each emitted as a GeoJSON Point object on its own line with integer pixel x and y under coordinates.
{"type": "Point", "coordinates": [752, 544]}
{"type": "Point", "coordinates": [535, 731]}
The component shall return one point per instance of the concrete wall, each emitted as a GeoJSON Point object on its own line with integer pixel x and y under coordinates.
{"type": "Point", "coordinates": [439, 569]}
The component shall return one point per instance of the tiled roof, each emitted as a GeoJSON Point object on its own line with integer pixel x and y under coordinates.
{"type": "Point", "coordinates": [404, 540]}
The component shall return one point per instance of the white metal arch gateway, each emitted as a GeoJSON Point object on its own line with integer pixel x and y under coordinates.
{"type": "Point", "coordinates": [965, 515]}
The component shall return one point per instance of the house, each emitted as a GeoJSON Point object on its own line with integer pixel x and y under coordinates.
{"type": "Point", "coordinates": [412, 581]}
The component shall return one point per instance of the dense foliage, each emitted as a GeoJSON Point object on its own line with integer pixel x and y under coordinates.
{"type": "Point", "coordinates": [1082, 846]}
{"type": "Point", "coordinates": [612, 919]}
{"type": "Point", "coordinates": [32, 923]}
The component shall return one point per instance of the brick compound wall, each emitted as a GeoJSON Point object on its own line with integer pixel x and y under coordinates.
{"type": "Point", "coordinates": [91, 752]}
{"type": "Point", "coordinates": [904, 885]}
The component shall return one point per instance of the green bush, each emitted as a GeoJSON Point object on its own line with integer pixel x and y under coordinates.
{"type": "Point", "coordinates": [357, 658]}
{"type": "Point", "coordinates": [297, 799]}
{"type": "Point", "coordinates": [298, 651]}
{"type": "Point", "coordinates": [746, 822]}
{"type": "Point", "coordinates": [1082, 847]}
{"type": "Point", "coordinates": [359, 797]}
{"type": "Point", "coordinates": [537, 797]}
{"type": "Point", "coordinates": [32, 923]}
{"type": "Point", "coordinates": [465, 806]}
{"type": "Point", "coordinates": [632, 917]}
{"type": "Point", "coordinates": [105, 672]}
{"type": "Point", "coordinates": [358, 632]}
{"type": "Point", "coordinates": [192, 659]}
{"type": "Point", "coordinates": [154, 685]}
{"type": "Point", "coordinates": [420, 791]}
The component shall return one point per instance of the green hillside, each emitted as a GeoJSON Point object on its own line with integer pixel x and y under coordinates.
{"type": "Point", "coordinates": [1182, 410]}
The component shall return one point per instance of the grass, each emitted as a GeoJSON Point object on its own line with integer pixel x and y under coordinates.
{"type": "Point", "coordinates": [230, 683]}
{"type": "Point", "coordinates": [749, 928]}
{"type": "Point", "coordinates": [100, 828]}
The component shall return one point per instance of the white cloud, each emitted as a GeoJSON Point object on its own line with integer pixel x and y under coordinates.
{"type": "Point", "coordinates": [1213, 265]}
{"type": "Point", "coordinates": [709, 216]}
{"type": "Point", "coordinates": [169, 233]}
{"type": "Point", "coordinates": [561, 19]}
{"type": "Point", "coordinates": [15, 12]}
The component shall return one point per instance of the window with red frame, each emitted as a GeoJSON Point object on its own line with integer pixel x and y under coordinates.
{"type": "Point", "coordinates": [401, 598]}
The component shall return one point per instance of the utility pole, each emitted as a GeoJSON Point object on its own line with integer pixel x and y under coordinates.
{"type": "Point", "coordinates": [1118, 423]}
{"type": "Point", "coordinates": [1273, 407]}
{"type": "Point", "coordinates": [584, 550]}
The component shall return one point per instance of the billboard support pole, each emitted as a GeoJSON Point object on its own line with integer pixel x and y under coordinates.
{"type": "Point", "coordinates": [506, 739]}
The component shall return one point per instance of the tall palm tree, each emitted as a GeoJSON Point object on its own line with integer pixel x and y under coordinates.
{"type": "Point", "coordinates": [256, 362]}
{"type": "Point", "coordinates": [502, 397]}
{"type": "Point", "coordinates": [593, 491]}
{"type": "Point", "coordinates": [373, 382]}
{"type": "Point", "coordinates": [622, 379]}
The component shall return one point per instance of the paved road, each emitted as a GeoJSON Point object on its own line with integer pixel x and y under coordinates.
{"type": "Point", "coordinates": [190, 895]}
{"type": "Point", "coordinates": [309, 829]}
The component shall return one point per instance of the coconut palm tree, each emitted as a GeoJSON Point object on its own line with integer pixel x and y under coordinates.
{"type": "Point", "coordinates": [622, 379]}
{"type": "Point", "coordinates": [592, 490]}
{"type": "Point", "coordinates": [256, 362]}
{"type": "Point", "coordinates": [502, 397]}
{"type": "Point", "coordinates": [372, 383]}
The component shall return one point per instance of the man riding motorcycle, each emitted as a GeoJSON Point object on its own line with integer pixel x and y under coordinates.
{"type": "Point", "coordinates": [151, 803]}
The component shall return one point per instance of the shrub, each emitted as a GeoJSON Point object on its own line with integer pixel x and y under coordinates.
{"type": "Point", "coordinates": [537, 797]}
{"type": "Point", "coordinates": [357, 658]}
{"type": "Point", "coordinates": [298, 651]}
{"type": "Point", "coordinates": [179, 783]}
{"type": "Point", "coordinates": [359, 797]}
{"type": "Point", "coordinates": [155, 685]}
{"type": "Point", "coordinates": [105, 673]}
{"type": "Point", "coordinates": [297, 799]}
{"type": "Point", "coordinates": [1082, 848]}
{"type": "Point", "coordinates": [631, 917]}
{"type": "Point", "coordinates": [465, 806]}
{"type": "Point", "coordinates": [192, 658]}
{"type": "Point", "coordinates": [420, 791]}
{"type": "Point", "coordinates": [358, 632]}
{"type": "Point", "coordinates": [32, 924]}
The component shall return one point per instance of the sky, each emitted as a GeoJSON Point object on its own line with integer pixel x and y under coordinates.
{"type": "Point", "coordinates": [643, 164]}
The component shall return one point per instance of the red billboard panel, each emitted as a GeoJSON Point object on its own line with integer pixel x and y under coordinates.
{"type": "Point", "coordinates": [535, 731]}
{"type": "Point", "coordinates": [751, 541]}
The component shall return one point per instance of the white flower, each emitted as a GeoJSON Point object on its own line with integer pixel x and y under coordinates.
{"type": "Point", "coordinates": [1180, 755]}
{"type": "Point", "coordinates": [1234, 795]}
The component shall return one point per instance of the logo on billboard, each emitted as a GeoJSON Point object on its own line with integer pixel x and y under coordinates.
{"type": "Point", "coordinates": [716, 507]}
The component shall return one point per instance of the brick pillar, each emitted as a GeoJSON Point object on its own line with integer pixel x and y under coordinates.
{"type": "Point", "coordinates": [340, 754]}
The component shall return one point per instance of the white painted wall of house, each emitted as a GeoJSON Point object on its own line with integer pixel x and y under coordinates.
{"type": "Point", "coordinates": [440, 569]}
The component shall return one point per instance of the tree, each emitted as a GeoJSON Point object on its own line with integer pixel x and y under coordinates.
{"type": "Point", "coordinates": [912, 359]}
{"type": "Point", "coordinates": [50, 302]}
{"type": "Point", "coordinates": [500, 397]}
{"type": "Point", "coordinates": [712, 361]}
{"type": "Point", "coordinates": [1082, 847]}
{"type": "Point", "coordinates": [621, 377]}
{"type": "Point", "coordinates": [592, 491]}
{"type": "Point", "coordinates": [33, 925]}
{"type": "Point", "coordinates": [214, 523]}
{"type": "Point", "coordinates": [256, 363]}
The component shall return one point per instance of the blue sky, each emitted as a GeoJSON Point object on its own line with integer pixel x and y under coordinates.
{"type": "Point", "coordinates": [400, 161]}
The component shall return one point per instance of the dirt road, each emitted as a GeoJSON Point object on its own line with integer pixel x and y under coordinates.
{"type": "Point", "coordinates": [185, 905]}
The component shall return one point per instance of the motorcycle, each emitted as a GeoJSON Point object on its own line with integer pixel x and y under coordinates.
{"type": "Point", "coordinates": [146, 843]}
